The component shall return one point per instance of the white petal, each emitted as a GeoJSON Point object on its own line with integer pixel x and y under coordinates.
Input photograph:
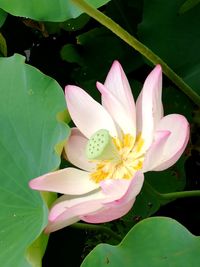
{"type": "Point", "coordinates": [88, 115]}
{"type": "Point", "coordinates": [57, 225]}
{"type": "Point", "coordinates": [117, 83]}
{"type": "Point", "coordinates": [154, 155]}
{"type": "Point", "coordinates": [124, 118]}
{"type": "Point", "coordinates": [66, 181]}
{"type": "Point", "coordinates": [149, 107]}
{"type": "Point", "coordinates": [177, 141]}
{"type": "Point", "coordinates": [75, 150]}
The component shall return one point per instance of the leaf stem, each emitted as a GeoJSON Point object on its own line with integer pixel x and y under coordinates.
{"type": "Point", "coordinates": [99, 228]}
{"type": "Point", "coordinates": [173, 195]}
{"type": "Point", "coordinates": [141, 48]}
{"type": "Point", "coordinates": [181, 194]}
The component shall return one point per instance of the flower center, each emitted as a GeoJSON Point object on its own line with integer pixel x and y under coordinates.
{"type": "Point", "coordinates": [101, 147]}
{"type": "Point", "coordinates": [116, 158]}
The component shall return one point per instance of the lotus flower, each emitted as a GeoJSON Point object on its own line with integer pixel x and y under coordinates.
{"type": "Point", "coordinates": [112, 146]}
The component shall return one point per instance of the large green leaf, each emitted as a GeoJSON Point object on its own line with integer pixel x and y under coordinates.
{"type": "Point", "coordinates": [45, 10]}
{"type": "Point", "coordinates": [3, 16]}
{"type": "Point", "coordinates": [155, 242]}
{"type": "Point", "coordinates": [70, 25]}
{"type": "Point", "coordinates": [173, 36]}
{"type": "Point", "coordinates": [31, 105]}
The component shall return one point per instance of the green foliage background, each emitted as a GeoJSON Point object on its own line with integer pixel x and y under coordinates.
{"type": "Point", "coordinates": [61, 42]}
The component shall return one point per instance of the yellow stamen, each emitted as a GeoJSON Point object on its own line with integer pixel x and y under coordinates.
{"type": "Point", "coordinates": [139, 165]}
{"type": "Point", "coordinates": [139, 143]}
{"type": "Point", "coordinates": [128, 141]}
{"type": "Point", "coordinates": [130, 159]}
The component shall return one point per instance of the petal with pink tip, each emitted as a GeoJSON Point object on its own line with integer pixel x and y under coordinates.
{"type": "Point", "coordinates": [177, 141]}
{"type": "Point", "coordinates": [117, 83]}
{"type": "Point", "coordinates": [66, 181]}
{"type": "Point", "coordinates": [118, 207]}
{"type": "Point", "coordinates": [109, 213]}
{"type": "Point", "coordinates": [112, 190]}
{"type": "Point", "coordinates": [149, 107]}
{"type": "Point", "coordinates": [117, 189]}
{"type": "Point", "coordinates": [124, 118]}
{"type": "Point", "coordinates": [102, 206]}
{"type": "Point", "coordinates": [68, 206]}
{"type": "Point", "coordinates": [75, 150]}
{"type": "Point", "coordinates": [67, 210]}
{"type": "Point", "coordinates": [88, 115]}
{"type": "Point", "coordinates": [133, 189]}
{"type": "Point", "coordinates": [155, 152]}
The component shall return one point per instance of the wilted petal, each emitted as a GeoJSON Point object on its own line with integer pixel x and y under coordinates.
{"type": "Point", "coordinates": [177, 141]}
{"type": "Point", "coordinates": [88, 115]}
{"type": "Point", "coordinates": [149, 107]}
{"type": "Point", "coordinates": [124, 118]}
{"type": "Point", "coordinates": [75, 150]}
{"type": "Point", "coordinates": [66, 181]}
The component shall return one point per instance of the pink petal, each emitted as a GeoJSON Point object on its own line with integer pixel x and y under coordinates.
{"type": "Point", "coordinates": [156, 150]}
{"type": "Point", "coordinates": [67, 207]}
{"type": "Point", "coordinates": [60, 205]}
{"type": "Point", "coordinates": [111, 200]}
{"type": "Point", "coordinates": [149, 107]}
{"type": "Point", "coordinates": [117, 190]}
{"type": "Point", "coordinates": [124, 118]}
{"type": "Point", "coordinates": [66, 181]}
{"type": "Point", "coordinates": [176, 143]}
{"type": "Point", "coordinates": [88, 115]}
{"type": "Point", "coordinates": [67, 211]}
{"type": "Point", "coordinates": [114, 188]}
{"type": "Point", "coordinates": [75, 149]}
{"type": "Point", "coordinates": [109, 213]}
{"type": "Point", "coordinates": [118, 207]}
{"type": "Point", "coordinates": [117, 83]}
{"type": "Point", "coordinates": [134, 187]}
